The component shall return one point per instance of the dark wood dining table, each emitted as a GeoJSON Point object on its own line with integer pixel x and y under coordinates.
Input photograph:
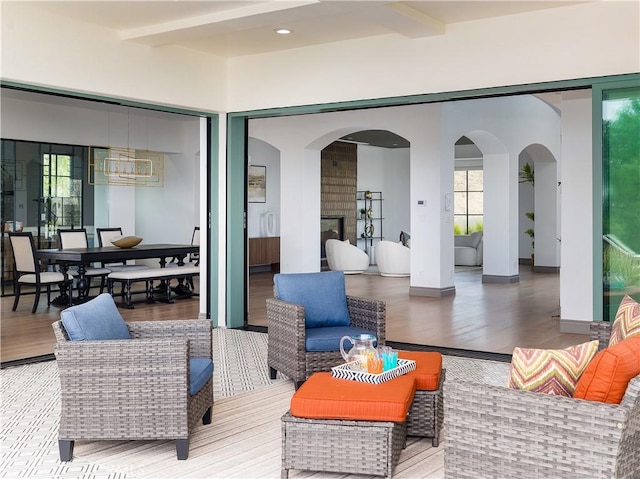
{"type": "Point", "coordinates": [83, 257]}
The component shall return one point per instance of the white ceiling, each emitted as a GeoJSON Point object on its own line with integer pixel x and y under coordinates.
{"type": "Point", "coordinates": [237, 28]}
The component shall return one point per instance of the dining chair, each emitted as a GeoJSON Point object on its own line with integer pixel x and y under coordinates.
{"type": "Point", "coordinates": [193, 260]}
{"type": "Point", "coordinates": [105, 235]}
{"type": "Point", "coordinates": [27, 270]}
{"type": "Point", "coordinates": [77, 238]}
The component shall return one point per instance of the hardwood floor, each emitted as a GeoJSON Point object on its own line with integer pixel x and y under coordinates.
{"type": "Point", "coordinates": [489, 317]}
{"type": "Point", "coordinates": [480, 317]}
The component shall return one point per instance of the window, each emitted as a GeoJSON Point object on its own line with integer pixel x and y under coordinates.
{"type": "Point", "coordinates": [61, 192]}
{"type": "Point", "coordinates": [468, 201]}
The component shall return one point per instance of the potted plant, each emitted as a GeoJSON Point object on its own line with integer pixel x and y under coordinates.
{"type": "Point", "coordinates": [363, 213]}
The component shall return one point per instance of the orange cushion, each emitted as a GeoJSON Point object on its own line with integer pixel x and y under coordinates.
{"type": "Point", "coordinates": [428, 368]}
{"type": "Point", "coordinates": [324, 397]}
{"type": "Point", "coordinates": [608, 374]}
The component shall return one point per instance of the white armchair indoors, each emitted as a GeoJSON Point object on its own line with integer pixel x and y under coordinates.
{"type": "Point", "coordinates": [343, 256]}
{"type": "Point", "coordinates": [394, 259]}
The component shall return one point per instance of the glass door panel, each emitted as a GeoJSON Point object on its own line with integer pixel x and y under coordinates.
{"type": "Point", "coordinates": [621, 197]}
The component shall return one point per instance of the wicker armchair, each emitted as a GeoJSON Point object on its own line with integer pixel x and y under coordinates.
{"type": "Point", "coordinates": [135, 389]}
{"type": "Point", "coordinates": [287, 351]}
{"type": "Point", "coordinates": [497, 432]}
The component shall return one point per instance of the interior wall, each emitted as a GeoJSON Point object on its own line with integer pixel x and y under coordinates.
{"type": "Point", "coordinates": [49, 50]}
{"type": "Point", "coordinates": [576, 233]}
{"type": "Point", "coordinates": [263, 154]}
{"type": "Point", "coordinates": [387, 170]}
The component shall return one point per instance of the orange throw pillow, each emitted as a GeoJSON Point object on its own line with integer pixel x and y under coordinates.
{"type": "Point", "coordinates": [608, 374]}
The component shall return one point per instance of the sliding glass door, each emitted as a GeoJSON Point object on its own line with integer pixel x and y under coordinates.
{"type": "Point", "coordinates": [621, 196]}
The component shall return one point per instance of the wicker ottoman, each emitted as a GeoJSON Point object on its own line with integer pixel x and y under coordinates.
{"type": "Point", "coordinates": [338, 425]}
{"type": "Point", "coordinates": [426, 415]}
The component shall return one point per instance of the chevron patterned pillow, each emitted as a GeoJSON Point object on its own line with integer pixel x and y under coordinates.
{"type": "Point", "coordinates": [627, 320]}
{"type": "Point", "coordinates": [551, 371]}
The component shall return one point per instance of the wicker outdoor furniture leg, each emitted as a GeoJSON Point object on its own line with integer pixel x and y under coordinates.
{"type": "Point", "coordinates": [66, 449]}
{"type": "Point", "coordinates": [182, 449]}
{"type": "Point", "coordinates": [206, 419]}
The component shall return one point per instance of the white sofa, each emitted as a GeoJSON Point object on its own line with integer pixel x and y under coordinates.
{"type": "Point", "coordinates": [468, 249]}
{"type": "Point", "coordinates": [393, 259]}
{"type": "Point", "coordinates": [343, 256]}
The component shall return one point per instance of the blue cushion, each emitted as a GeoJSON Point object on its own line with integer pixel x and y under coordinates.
{"type": "Point", "coordinates": [95, 320]}
{"type": "Point", "coordinates": [200, 370]}
{"type": "Point", "coordinates": [322, 295]}
{"type": "Point", "coordinates": [328, 339]}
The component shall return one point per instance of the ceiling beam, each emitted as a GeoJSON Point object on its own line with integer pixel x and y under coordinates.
{"type": "Point", "coordinates": [210, 24]}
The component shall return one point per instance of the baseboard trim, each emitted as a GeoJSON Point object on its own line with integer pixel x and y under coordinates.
{"type": "Point", "coordinates": [574, 326]}
{"type": "Point", "coordinates": [432, 292]}
{"type": "Point", "coordinates": [493, 278]}
{"type": "Point", "coordinates": [546, 269]}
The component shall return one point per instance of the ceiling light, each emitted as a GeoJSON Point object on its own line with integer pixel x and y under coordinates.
{"type": "Point", "coordinates": [283, 31]}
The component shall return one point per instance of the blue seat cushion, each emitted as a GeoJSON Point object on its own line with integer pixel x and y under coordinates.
{"type": "Point", "coordinates": [200, 371]}
{"type": "Point", "coordinates": [328, 339]}
{"type": "Point", "coordinates": [323, 296]}
{"type": "Point", "coordinates": [96, 319]}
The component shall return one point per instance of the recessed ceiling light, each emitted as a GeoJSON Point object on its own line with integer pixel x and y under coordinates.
{"type": "Point", "coordinates": [283, 31]}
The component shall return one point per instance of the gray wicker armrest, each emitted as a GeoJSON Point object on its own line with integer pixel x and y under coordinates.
{"type": "Point", "coordinates": [104, 370]}
{"type": "Point", "coordinates": [286, 349]}
{"type": "Point", "coordinates": [497, 432]}
{"type": "Point", "coordinates": [197, 331]}
{"type": "Point", "coordinates": [369, 314]}
{"type": "Point", "coordinates": [600, 330]}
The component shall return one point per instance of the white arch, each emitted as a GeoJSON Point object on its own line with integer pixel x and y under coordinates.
{"type": "Point", "coordinates": [544, 201]}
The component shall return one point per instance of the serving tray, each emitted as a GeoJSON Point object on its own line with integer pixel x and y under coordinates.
{"type": "Point", "coordinates": [353, 372]}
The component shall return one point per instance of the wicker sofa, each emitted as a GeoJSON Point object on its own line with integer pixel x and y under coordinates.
{"type": "Point", "coordinates": [134, 389]}
{"type": "Point", "coordinates": [497, 432]}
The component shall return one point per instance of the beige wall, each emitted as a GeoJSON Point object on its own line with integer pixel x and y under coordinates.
{"type": "Point", "coordinates": [48, 50]}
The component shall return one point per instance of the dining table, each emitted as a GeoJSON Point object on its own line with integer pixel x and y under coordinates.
{"type": "Point", "coordinates": [83, 257]}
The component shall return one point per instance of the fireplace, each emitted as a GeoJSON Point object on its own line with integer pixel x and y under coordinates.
{"type": "Point", "coordinates": [331, 227]}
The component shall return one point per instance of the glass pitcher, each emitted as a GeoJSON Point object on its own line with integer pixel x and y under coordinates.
{"type": "Point", "coordinates": [361, 350]}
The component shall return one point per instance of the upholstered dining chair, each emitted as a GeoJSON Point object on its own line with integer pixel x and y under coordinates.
{"type": "Point", "coordinates": [105, 235]}
{"type": "Point", "coordinates": [27, 269]}
{"type": "Point", "coordinates": [77, 238]}
{"type": "Point", "coordinates": [308, 316]}
{"type": "Point", "coordinates": [143, 380]}
{"type": "Point", "coordinates": [193, 260]}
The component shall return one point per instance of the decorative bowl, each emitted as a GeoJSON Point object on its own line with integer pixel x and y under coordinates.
{"type": "Point", "coordinates": [126, 241]}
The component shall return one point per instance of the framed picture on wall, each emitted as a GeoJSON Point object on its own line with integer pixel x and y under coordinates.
{"type": "Point", "coordinates": [257, 184]}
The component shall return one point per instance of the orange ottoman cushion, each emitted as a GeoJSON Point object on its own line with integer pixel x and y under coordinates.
{"type": "Point", "coordinates": [324, 397]}
{"type": "Point", "coordinates": [428, 368]}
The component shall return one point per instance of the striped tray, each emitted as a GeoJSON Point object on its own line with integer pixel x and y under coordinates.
{"type": "Point", "coordinates": [351, 371]}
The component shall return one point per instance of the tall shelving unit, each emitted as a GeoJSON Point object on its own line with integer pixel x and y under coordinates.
{"type": "Point", "coordinates": [369, 229]}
